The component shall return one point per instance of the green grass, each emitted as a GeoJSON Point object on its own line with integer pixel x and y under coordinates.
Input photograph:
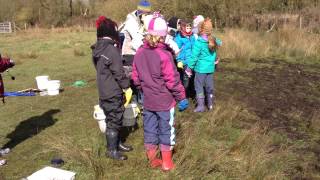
{"type": "Point", "coordinates": [230, 142]}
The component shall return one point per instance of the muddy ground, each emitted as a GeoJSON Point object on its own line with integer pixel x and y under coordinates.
{"type": "Point", "coordinates": [286, 99]}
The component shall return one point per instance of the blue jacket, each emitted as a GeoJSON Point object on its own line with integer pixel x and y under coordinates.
{"type": "Point", "coordinates": [203, 60]}
{"type": "Point", "coordinates": [185, 45]}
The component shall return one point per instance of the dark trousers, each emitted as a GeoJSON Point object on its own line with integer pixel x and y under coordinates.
{"type": "Point", "coordinates": [203, 81]}
{"type": "Point", "coordinates": [159, 128]}
{"type": "Point", "coordinates": [113, 109]}
{"type": "Point", "coordinates": [187, 82]}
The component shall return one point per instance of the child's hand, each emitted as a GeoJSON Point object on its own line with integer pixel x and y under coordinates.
{"type": "Point", "coordinates": [128, 96]}
{"type": "Point", "coordinates": [180, 65]}
{"type": "Point", "coordinates": [183, 105]}
{"type": "Point", "coordinates": [188, 71]}
{"type": "Point", "coordinates": [217, 60]}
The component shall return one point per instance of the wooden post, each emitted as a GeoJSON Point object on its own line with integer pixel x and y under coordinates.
{"type": "Point", "coordinates": [300, 22]}
{"type": "Point", "coordinates": [10, 28]}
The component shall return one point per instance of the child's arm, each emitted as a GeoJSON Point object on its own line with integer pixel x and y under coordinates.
{"type": "Point", "coordinates": [5, 63]}
{"type": "Point", "coordinates": [179, 42]}
{"type": "Point", "coordinates": [196, 50]}
{"type": "Point", "coordinates": [117, 70]}
{"type": "Point", "coordinates": [135, 76]}
{"type": "Point", "coordinates": [172, 79]}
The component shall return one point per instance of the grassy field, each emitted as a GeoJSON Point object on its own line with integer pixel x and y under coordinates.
{"type": "Point", "coordinates": [265, 124]}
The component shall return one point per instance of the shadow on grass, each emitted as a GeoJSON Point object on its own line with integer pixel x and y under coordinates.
{"type": "Point", "coordinates": [31, 127]}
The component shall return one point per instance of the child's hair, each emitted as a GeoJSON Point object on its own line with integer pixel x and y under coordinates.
{"type": "Point", "coordinates": [206, 28]}
{"type": "Point", "coordinates": [153, 40]}
{"type": "Point", "coordinates": [107, 28]}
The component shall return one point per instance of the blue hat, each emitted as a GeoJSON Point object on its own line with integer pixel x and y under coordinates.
{"type": "Point", "coordinates": [144, 6]}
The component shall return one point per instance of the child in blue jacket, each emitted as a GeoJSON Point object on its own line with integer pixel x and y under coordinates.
{"type": "Point", "coordinates": [203, 61]}
{"type": "Point", "coordinates": [185, 40]}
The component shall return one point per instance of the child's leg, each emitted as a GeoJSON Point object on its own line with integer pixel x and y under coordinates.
{"type": "Point", "coordinates": [167, 137]}
{"type": "Point", "coordinates": [186, 82]}
{"type": "Point", "coordinates": [151, 128]}
{"type": "Point", "coordinates": [199, 82]}
{"type": "Point", "coordinates": [113, 109]}
{"type": "Point", "coordinates": [209, 86]}
{"type": "Point", "coordinates": [151, 139]}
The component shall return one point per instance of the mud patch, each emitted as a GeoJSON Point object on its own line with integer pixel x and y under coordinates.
{"type": "Point", "coordinates": [285, 97]}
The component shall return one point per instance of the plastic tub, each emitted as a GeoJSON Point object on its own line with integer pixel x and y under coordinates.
{"type": "Point", "coordinates": [53, 87]}
{"type": "Point", "coordinates": [42, 82]}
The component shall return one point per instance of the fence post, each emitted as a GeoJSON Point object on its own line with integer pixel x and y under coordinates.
{"type": "Point", "coordinates": [300, 22]}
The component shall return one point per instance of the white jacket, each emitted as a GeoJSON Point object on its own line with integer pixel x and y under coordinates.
{"type": "Point", "coordinates": [133, 34]}
{"type": "Point", "coordinates": [172, 44]}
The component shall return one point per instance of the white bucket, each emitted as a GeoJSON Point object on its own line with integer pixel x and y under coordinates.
{"type": "Point", "coordinates": [53, 87]}
{"type": "Point", "coordinates": [42, 82]}
{"type": "Point", "coordinates": [99, 115]}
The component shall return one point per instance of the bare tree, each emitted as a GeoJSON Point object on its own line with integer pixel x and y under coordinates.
{"type": "Point", "coordinates": [71, 8]}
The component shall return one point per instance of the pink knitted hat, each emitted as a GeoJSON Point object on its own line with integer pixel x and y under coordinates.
{"type": "Point", "coordinates": [158, 26]}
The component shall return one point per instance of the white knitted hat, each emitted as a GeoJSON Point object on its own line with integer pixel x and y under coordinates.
{"type": "Point", "coordinates": [157, 26]}
{"type": "Point", "coordinates": [197, 20]}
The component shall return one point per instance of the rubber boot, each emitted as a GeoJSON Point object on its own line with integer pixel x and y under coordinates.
{"type": "Point", "coordinates": [200, 105]}
{"type": "Point", "coordinates": [123, 133]}
{"type": "Point", "coordinates": [112, 136]}
{"type": "Point", "coordinates": [124, 148]}
{"type": "Point", "coordinates": [152, 157]}
{"type": "Point", "coordinates": [167, 163]}
{"type": "Point", "coordinates": [210, 101]}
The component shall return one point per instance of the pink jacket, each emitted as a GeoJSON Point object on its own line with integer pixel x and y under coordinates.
{"type": "Point", "coordinates": [155, 73]}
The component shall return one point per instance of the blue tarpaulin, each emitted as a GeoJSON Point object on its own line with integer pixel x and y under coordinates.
{"type": "Point", "coordinates": [19, 94]}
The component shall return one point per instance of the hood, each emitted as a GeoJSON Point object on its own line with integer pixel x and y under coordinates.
{"type": "Point", "coordinates": [100, 46]}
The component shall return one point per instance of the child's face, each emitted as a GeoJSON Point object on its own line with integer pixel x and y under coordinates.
{"type": "Point", "coordinates": [188, 28]}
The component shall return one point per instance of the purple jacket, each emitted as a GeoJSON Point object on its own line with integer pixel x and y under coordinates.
{"type": "Point", "coordinates": [4, 65]}
{"type": "Point", "coordinates": [155, 73]}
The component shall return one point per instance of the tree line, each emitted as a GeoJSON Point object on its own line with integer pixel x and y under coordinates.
{"type": "Point", "coordinates": [226, 13]}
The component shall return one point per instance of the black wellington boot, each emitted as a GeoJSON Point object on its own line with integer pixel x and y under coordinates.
{"type": "Point", "coordinates": [124, 148]}
{"type": "Point", "coordinates": [112, 136]}
{"type": "Point", "coordinates": [124, 132]}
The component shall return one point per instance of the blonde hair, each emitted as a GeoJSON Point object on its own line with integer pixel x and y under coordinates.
{"type": "Point", "coordinates": [153, 40]}
{"type": "Point", "coordinates": [206, 28]}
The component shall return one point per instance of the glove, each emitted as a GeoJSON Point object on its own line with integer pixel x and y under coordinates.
{"type": "Point", "coordinates": [128, 95]}
{"type": "Point", "coordinates": [183, 105]}
{"type": "Point", "coordinates": [12, 63]}
{"type": "Point", "coordinates": [180, 65]}
{"type": "Point", "coordinates": [188, 71]}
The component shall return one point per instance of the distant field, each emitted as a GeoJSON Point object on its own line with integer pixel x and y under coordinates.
{"type": "Point", "coordinates": [265, 125]}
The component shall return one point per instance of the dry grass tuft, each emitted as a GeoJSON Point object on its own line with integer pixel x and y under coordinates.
{"type": "Point", "coordinates": [287, 42]}
{"type": "Point", "coordinates": [69, 150]}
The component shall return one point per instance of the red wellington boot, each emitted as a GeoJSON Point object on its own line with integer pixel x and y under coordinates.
{"type": "Point", "coordinates": [167, 163]}
{"type": "Point", "coordinates": [152, 156]}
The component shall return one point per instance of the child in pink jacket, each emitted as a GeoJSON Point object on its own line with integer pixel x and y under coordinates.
{"type": "Point", "coordinates": [155, 73]}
